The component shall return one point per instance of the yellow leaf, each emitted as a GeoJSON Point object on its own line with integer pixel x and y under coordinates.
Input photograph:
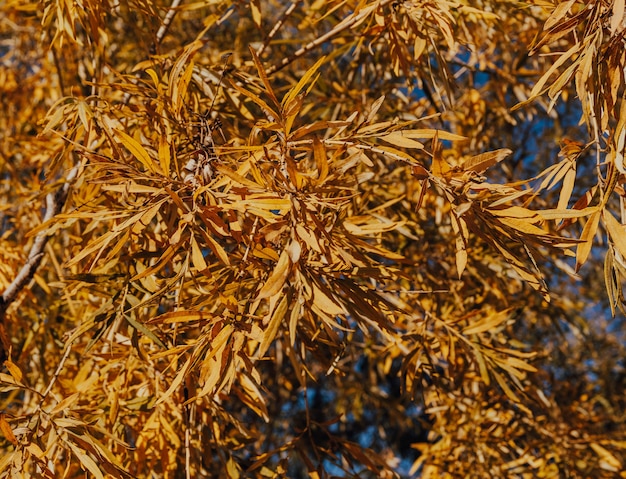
{"type": "Point", "coordinates": [65, 404]}
{"type": "Point", "coordinates": [295, 250]}
{"type": "Point", "coordinates": [132, 187]}
{"type": "Point", "coordinates": [177, 381]}
{"type": "Point", "coordinates": [164, 154]}
{"type": "Point", "coordinates": [439, 166]}
{"type": "Point", "coordinates": [397, 138]}
{"type": "Point", "coordinates": [216, 248]}
{"type": "Point", "coordinates": [428, 133]}
{"type": "Point", "coordinates": [609, 459]}
{"type": "Point", "coordinates": [506, 388]}
{"type": "Point", "coordinates": [155, 78]}
{"type": "Point", "coordinates": [617, 232]}
{"type": "Point", "coordinates": [290, 112]}
{"type": "Point", "coordinates": [213, 363]}
{"type": "Point", "coordinates": [293, 320]}
{"type": "Point", "coordinates": [373, 110]}
{"type": "Point", "coordinates": [519, 364]}
{"type": "Point", "coordinates": [618, 16]}
{"type": "Point", "coordinates": [555, 66]}
{"type": "Point", "coordinates": [391, 153]}
{"type": "Point", "coordinates": [482, 366]}
{"type": "Point", "coordinates": [255, 9]}
{"type": "Point", "coordinates": [323, 303]}
{"type": "Point", "coordinates": [180, 76]}
{"type": "Point", "coordinates": [179, 317]}
{"type": "Point", "coordinates": [7, 430]}
{"type": "Point", "coordinates": [84, 113]}
{"type": "Point", "coordinates": [558, 14]}
{"type": "Point", "coordinates": [366, 225]}
{"type": "Point", "coordinates": [163, 260]}
{"type": "Point", "coordinates": [253, 397]}
{"type": "Point", "coordinates": [568, 186]}
{"type": "Point", "coordinates": [196, 255]}
{"type": "Point", "coordinates": [318, 125]}
{"type": "Point", "coordinates": [489, 322]}
{"type": "Point", "coordinates": [35, 450]}
{"type": "Point", "coordinates": [480, 163]}
{"type": "Point", "coordinates": [586, 237]}
{"type": "Point", "coordinates": [516, 212]}
{"type": "Point", "coordinates": [275, 282]}
{"type": "Point", "coordinates": [293, 93]}
{"type": "Point", "coordinates": [523, 226]}
{"type": "Point", "coordinates": [273, 326]}
{"type": "Point", "coordinates": [321, 160]}
{"type": "Point", "coordinates": [613, 290]}
{"type": "Point", "coordinates": [14, 370]}
{"type": "Point", "coordinates": [255, 98]}
{"type": "Point", "coordinates": [308, 237]}
{"type": "Point", "coordinates": [102, 241]}
{"type": "Point", "coordinates": [86, 461]}
{"type": "Point", "coordinates": [136, 149]}
{"type": "Point", "coordinates": [461, 234]}
{"type": "Point", "coordinates": [559, 214]}
{"type": "Point", "coordinates": [232, 469]}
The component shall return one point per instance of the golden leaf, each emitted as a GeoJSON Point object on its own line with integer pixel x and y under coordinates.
{"type": "Point", "coordinates": [14, 370]}
{"type": "Point", "coordinates": [273, 326]}
{"type": "Point", "coordinates": [617, 232]}
{"type": "Point", "coordinates": [7, 430]}
{"type": "Point", "coordinates": [86, 461]}
{"type": "Point", "coordinates": [180, 75]}
{"type": "Point", "coordinates": [398, 138]}
{"type": "Point", "coordinates": [137, 150]}
{"type": "Point", "coordinates": [480, 163]}
{"type": "Point", "coordinates": [276, 280]}
{"type": "Point", "coordinates": [608, 461]}
{"type": "Point", "coordinates": [586, 237]}
{"type": "Point", "coordinates": [491, 321]}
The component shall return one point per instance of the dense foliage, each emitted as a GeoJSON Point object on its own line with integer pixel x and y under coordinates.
{"type": "Point", "coordinates": [343, 238]}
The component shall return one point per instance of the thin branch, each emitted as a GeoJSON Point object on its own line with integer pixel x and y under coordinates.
{"type": "Point", "coordinates": [169, 16]}
{"type": "Point", "coordinates": [278, 25]}
{"type": "Point", "coordinates": [165, 25]}
{"type": "Point", "coordinates": [55, 201]}
{"type": "Point", "coordinates": [68, 348]}
{"type": "Point", "coordinates": [349, 22]}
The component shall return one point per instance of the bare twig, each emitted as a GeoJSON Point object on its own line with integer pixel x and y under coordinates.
{"type": "Point", "coordinates": [169, 16]}
{"type": "Point", "coordinates": [68, 348]}
{"type": "Point", "coordinates": [279, 24]}
{"type": "Point", "coordinates": [55, 201]}
{"type": "Point", "coordinates": [167, 21]}
{"type": "Point", "coordinates": [348, 22]}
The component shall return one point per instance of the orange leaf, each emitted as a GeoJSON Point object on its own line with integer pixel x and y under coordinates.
{"type": "Point", "coordinates": [7, 431]}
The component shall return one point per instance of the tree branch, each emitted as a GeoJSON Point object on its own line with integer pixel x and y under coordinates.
{"type": "Point", "coordinates": [55, 201]}
{"type": "Point", "coordinates": [165, 25]}
{"type": "Point", "coordinates": [277, 26]}
{"type": "Point", "coordinates": [348, 22]}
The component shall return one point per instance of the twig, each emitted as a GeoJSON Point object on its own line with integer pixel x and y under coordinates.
{"type": "Point", "coordinates": [279, 24]}
{"type": "Point", "coordinates": [169, 16]}
{"type": "Point", "coordinates": [167, 21]}
{"type": "Point", "coordinates": [55, 201]}
{"type": "Point", "coordinates": [68, 348]}
{"type": "Point", "coordinates": [348, 22]}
